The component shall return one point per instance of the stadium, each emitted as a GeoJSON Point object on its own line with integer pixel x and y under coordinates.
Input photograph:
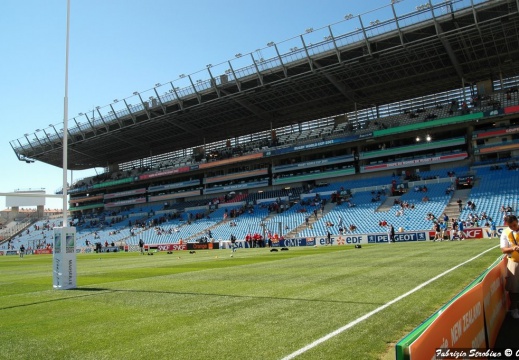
{"type": "Point", "coordinates": [330, 138]}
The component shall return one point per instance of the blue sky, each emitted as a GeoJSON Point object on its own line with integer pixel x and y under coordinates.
{"type": "Point", "coordinates": [121, 46]}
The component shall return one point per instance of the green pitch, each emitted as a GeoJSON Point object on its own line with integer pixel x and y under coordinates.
{"type": "Point", "coordinates": [256, 305]}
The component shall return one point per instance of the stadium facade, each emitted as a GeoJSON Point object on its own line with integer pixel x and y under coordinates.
{"type": "Point", "coordinates": [390, 100]}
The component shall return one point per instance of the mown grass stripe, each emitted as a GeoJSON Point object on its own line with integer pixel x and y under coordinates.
{"type": "Point", "coordinates": [380, 308]}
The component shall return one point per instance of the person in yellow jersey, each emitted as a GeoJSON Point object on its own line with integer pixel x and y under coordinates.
{"type": "Point", "coordinates": [509, 244]}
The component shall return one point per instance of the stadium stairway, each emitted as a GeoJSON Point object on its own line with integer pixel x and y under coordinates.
{"type": "Point", "coordinates": [452, 208]}
{"type": "Point", "coordinates": [17, 229]}
{"type": "Point", "coordinates": [388, 204]}
{"type": "Point", "coordinates": [295, 232]}
{"type": "Point", "coordinates": [204, 232]}
{"type": "Point", "coordinates": [124, 241]}
{"type": "Point", "coordinates": [10, 230]}
{"type": "Point", "coordinates": [269, 217]}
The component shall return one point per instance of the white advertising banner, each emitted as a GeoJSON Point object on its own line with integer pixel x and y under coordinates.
{"type": "Point", "coordinates": [64, 259]}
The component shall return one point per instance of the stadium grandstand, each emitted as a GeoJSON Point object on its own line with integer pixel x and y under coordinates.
{"type": "Point", "coordinates": [333, 131]}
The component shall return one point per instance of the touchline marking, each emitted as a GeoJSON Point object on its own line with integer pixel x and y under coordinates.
{"type": "Point", "coordinates": [368, 315]}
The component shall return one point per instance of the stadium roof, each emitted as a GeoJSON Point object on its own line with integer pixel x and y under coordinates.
{"type": "Point", "coordinates": [437, 48]}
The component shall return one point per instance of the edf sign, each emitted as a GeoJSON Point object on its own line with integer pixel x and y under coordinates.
{"type": "Point", "coordinates": [353, 239]}
{"type": "Point", "coordinates": [323, 241]}
{"type": "Point", "coordinates": [342, 240]}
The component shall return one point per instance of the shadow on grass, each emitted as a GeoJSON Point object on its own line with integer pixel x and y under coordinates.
{"type": "Point", "coordinates": [90, 289]}
{"type": "Point", "coordinates": [247, 296]}
{"type": "Point", "coordinates": [94, 290]}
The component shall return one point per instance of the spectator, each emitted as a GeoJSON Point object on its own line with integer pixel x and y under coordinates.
{"type": "Point", "coordinates": [391, 233]}
{"type": "Point", "coordinates": [141, 246]}
{"type": "Point", "coordinates": [510, 246]}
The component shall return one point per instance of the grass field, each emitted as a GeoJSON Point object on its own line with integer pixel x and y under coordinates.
{"type": "Point", "coordinates": [256, 305]}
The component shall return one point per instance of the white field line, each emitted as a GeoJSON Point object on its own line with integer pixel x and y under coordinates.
{"type": "Point", "coordinates": [371, 313]}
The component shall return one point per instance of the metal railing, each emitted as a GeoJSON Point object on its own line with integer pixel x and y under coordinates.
{"type": "Point", "coordinates": [353, 30]}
